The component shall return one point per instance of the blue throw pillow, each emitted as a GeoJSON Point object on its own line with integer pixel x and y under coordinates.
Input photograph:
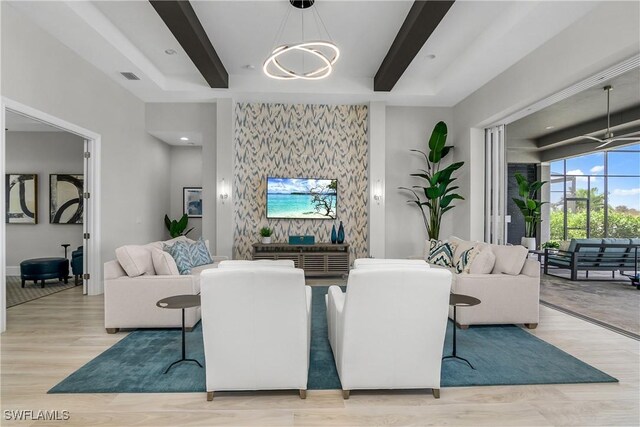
{"type": "Point", "coordinates": [199, 253]}
{"type": "Point", "coordinates": [189, 254]}
{"type": "Point", "coordinates": [180, 253]}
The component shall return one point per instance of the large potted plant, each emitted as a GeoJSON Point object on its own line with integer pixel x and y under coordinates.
{"type": "Point", "coordinates": [435, 197]}
{"type": "Point", "coordinates": [530, 207]}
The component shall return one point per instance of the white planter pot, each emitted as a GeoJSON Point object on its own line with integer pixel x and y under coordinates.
{"type": "Point", "coordinates": [266, 240]}
{"type": "Point", "coordinates": [529, 243]}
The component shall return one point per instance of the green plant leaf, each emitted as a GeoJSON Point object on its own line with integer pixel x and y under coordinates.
{"type": "Point", "coordinates": [167, 222]}
{"type": "Point", "coordinates": [446, 150]}
{"type": "Point", "coordinates": [531, 204]}
{"type": "Point", "coordinates": [421, 175]}
{"type": "Point", "coordinates": [438, 137]}
{"type": "Point", "coordinates": [188, 231]}
{"type": "Point", "coordinates": [446, 200]}
{"type": "Point", "coordinates": [432, 193]}
{"type": "Point", "coordinates": [455, 187]}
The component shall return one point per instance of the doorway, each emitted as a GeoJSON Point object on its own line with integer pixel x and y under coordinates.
{"type": "Point", "coordinates": [77, 201]}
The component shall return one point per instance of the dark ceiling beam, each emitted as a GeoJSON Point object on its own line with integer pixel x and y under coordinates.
{"type": "Point", "coordinates": [420, 23]}
{"type": "Point", "coordinates": [597, 125]}
{"type": "Point", "coordinates": [183, 22]}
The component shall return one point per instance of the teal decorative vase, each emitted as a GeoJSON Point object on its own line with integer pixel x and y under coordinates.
{"type": "Point", "coordinates": [341, 233]}
{"type": "Point", "coordinates": [334, 235]}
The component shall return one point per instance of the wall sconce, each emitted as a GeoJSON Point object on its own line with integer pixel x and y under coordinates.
{"type": "Point", "coordinates": [224, 191]}
{"type": "Point", "coordinates": [377, 191]}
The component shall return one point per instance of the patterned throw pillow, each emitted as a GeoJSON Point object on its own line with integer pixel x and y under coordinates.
{"type": "Point", "coordinates": [180, 253]}
{"type": "Point", "coordinates": [199, 253]}
{"type": "Point", "coordinates": [466, 258]}
{"type": "Point", "coordinates": [441, 253]}
{"type": "Point", "coordinates": [189, 254]}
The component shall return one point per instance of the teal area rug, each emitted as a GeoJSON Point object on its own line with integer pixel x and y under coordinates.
{"type": "Point", "coordinates": [502, 355]}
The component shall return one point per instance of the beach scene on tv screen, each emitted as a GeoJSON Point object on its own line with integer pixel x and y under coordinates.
{"type": "Point", "coordinates": [302, 198]}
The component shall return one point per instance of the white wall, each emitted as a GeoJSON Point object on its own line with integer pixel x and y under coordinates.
{"type": "Point", "coordinates": [197, 121]}
{"type": "Point", "coordinates": [605, 36]}
{"type": "Point", "coordinates": [408, 128]}
{"type": "Point", "coordinates": [42, 153]}
{"type": "Point", "coordinates": [38, 71]}
{"type": "Point", "coordinates": [186, 171]}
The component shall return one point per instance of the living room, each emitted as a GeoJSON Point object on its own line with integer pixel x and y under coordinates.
{"type": "Point", "coordinates": [181, 126]}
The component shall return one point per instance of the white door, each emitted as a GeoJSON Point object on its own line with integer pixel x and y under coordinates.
{"type": "Point", "coordinates": [495, 186]}
{"type": "Point", "coordinates": [85, 219]}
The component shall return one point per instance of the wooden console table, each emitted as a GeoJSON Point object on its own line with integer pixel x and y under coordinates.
{"type": "Point", "coordinates": [321, 259]}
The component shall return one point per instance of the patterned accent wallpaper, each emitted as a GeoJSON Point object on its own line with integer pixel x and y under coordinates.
{"type": "Point", "coordinates": [300, 141]}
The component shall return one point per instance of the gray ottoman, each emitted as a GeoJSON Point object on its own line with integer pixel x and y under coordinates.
{"type": "Point", "coordinates": [43, 269]}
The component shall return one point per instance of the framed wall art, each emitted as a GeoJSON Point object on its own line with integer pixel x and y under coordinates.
{"type": "Point", "coordinates": [65, 199]}
{"type": "Point", "coordinates": [192, 201]}
{"type": "Point", "coordinates": [21, 198]}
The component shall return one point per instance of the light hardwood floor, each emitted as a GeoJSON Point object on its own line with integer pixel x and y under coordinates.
{"type": "Point", "coordinates": [49, 338]}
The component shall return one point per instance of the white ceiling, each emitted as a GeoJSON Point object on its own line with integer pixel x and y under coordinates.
{"type": "Point", "coordinates": [19, 123]}
{"type": "Point", "coordinates": [476, 41]}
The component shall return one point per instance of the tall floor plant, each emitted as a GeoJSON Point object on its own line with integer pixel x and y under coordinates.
{"type": "Point", "coordinates": [435, 196]}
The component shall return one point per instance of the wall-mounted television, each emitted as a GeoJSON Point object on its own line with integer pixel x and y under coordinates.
{"type": "Point", "coordinates": [302, 198]}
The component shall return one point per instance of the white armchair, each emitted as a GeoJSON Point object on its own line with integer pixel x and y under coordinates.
{"type": "Point", "coordinates": [389, 262]}
{"type": "Point", "coordinates": [242, 264]}
{"type": "Point", "coordinates": [256, 326]}
{"type": "Point", "coordinates": [387, 331]}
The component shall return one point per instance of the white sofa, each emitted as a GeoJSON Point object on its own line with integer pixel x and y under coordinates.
{"type": "Point", "coordinates": [509, 288]}
{"type": "Point", "coordinates": [387, 331]}
{"type": "Point", "coordinates": [130, 302]}
{"type": "Point", "coordinates": [256, 326]}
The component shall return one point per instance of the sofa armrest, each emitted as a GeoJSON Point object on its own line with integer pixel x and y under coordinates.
{"type": "Point", "coordinates": [130, 302]}
{"type": "Point", "coordinates": [113, 270]}
{"type": "Point", "coordinates": [186, 283]}
{"type": "Point", "coordinates": [217, 259]}
{"type": "Point", "coordinates": [503, 298]}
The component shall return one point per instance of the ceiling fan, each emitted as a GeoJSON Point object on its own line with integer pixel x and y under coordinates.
{"type": "Point", "coordinates": [608, 136]}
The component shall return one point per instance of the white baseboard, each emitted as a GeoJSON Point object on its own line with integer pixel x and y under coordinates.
{"type": "Point", "coordinates": [13, 270]}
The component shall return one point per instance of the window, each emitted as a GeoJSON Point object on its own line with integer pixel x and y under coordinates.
{"type": "Point", "coordinates": [596, 195]}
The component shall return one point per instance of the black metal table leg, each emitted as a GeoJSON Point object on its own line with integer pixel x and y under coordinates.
{"type": "Point", "coordinates": [454, 354]}
{"type": "Point", "coordinates": [184, 349]}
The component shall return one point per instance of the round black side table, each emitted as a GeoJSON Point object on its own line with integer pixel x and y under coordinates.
{"type": "Point", "coordinates": [459, 300]}
{"type": "Point", "coordinates": [180, 302]}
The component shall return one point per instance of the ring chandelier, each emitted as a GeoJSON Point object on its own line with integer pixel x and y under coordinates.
{"type": "Point", "coordinates": [324, 51]}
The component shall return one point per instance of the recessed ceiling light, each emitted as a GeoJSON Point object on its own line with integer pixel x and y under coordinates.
{"type": "Point", "coordinates": [549, 127]}
{"type": "Point", "coordinates": [430, 56]}
{"type": "Point", "coordinates": [170, 51]}
{"type": "Point", "coordinates": [184, 138]}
